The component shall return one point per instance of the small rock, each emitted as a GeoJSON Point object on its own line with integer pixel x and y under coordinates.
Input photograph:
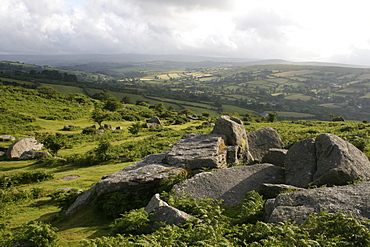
{"type": "Point", "coordinates": [68, 178]}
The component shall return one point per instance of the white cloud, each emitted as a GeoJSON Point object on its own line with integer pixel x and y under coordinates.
{"type": "Point", "coordinates": [297, 30]}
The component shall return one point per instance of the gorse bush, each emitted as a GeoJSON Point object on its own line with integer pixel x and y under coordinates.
{"type": "Point", "coordinates": [16, 195]}
{"type": "Point", "coordinates": [117, 203]}
{"type": "Point", "coordinates": [135, 222]}
{"type": "Point", "coordinates": [212, 225]}
{"type": "Point", "coordinates": [37, 234]}
{"type": "Point", "coordinates": [14, 179]}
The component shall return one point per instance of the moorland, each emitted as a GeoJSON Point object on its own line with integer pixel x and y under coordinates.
{"type": "Point", "coordinates": [57, 106]}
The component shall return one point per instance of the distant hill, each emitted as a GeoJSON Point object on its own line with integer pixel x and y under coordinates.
{"type": "Point", "coordinates": [180, 60]}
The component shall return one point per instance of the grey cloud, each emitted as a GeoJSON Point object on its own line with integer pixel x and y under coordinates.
{"type": "Point", "coordinates": [267, 24]}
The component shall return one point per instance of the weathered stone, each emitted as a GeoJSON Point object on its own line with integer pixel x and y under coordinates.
{"type": "Point", "coordinates": [119, 128]}
{"type": "Point", "coordinates": [155, 203]}
{"type": "Point", "coordinates": [7, 138]}
{"type": "Point", "coordinates": [68, 178]}
{"type": "Point", "coordinates": [22, 145]}
{"type": "Point", "coordinates": [300, 163]}
{"type": "Point", "coordinates": [34, 155]}
{"type": "Point", "coordinates": [85, 198]}
{"type": "Point", "coordinates": [162, 212]}
{"type": "Point", "coordinates": [234, 155]}
{"type": "Point", "coordinates": [298, 205]}
{"type": "Point", "coordinates": [78, 191]}
{"type": "Point", "coordinates": [273, 190]}
{"type": "Point", "coordinates": [108, 126]}
{"type": "Point", "coordinates": [275, 156]}
{"type": "Point", "coordinates": [143, 176]}
{"type": "Point", "coordinates": [68, 127]}
{"type": "Point", "coordinates": [155, 120]}
{"type": "Point", "coordinates": [261, 141]}
{"type": "Point", "coordinates": [195, 151]}
{"type": "Point", "coordinates": [150, 125]}
{"type": "Point", "coordinates": [339, 162]}
{"type": "Point", "coordinates": [230, 184]}
{"type": "Point", "coordinates": [233, 131]}
{"type": "Point", "coordinates": [170, 215]}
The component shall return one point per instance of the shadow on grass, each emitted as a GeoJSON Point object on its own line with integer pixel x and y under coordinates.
{"type": "Point", "coordinates": [87, 222]}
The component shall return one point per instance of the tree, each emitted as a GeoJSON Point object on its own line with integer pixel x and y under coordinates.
{"type": "Point", "coordinates": [272, 117]}
{"type": "Point", "coordinates": [54, 142]}
{"type": "Point", "coordinates": [104, 151]}
{"type": "Point", "coordinates": [186, 112]}
{"type": "Point", "coordinates": [160, 108]}
{"type": "Point", "coordinates": [134, 128]}
{"type": "Point", "coordinates": [126, 99]}
{"type": "Point", "coordinates": [112, 104]}
{"type": "Point", "coordinates": [103, 95]}
{"type": "Point", "coordinates": [99, 116]}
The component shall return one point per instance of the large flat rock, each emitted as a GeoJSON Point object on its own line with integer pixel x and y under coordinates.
{"type": "Point", "coordinates": [195, 151]}
{"type": "Point", "coordinates": [230, 184]}
{"type": "Point", "coordinates": [297, 206]}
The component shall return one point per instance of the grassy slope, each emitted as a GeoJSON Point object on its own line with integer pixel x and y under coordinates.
{"type": "Point", "coordinates": [90, 223]}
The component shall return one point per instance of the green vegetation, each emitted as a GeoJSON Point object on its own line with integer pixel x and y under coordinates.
{"type": "Point", "coordinates": [315, 91]}
{"type": "Point", "coordinates": [33, 202]}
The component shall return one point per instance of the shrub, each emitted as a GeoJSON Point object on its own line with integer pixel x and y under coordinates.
{"type": "Point", "coordinates": [134, 222]}
{"type": "Point", "coordinates": [135, 128]}
{"type": "Point", "coordinates": [118, 203]}
{"type": "Point", "coordinates": [36, 233]}
{"type": "Point", "coordinates": [338, 228]}
{"type": "Point", "coordinates": [251, 210]}
{"type": "Point", "coordinates": [9, 180]}
{"type": "Point", "coordinates": [16, 195]}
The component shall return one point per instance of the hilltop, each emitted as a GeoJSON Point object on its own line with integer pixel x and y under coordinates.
{"type": "Point", "coordinates": [292, 91]}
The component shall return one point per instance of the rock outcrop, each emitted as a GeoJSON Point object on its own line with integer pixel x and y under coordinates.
{"type": "Point", "coordinates": [298, 205]}
{"type": "Point", "coordinates": [34, 155]}
{"type": "Point", "coordinates": [22, 145]}
{"type": "Point", "coordinates": [155, 120]}
{"type": "Point", "coordinates": [326, 160]}
{"type": "Point", "coordinates": [233, 131]}
{"type": "Point", "coordinates": [339, 162]}
{"type": "Point", "coordinates": [261, 141]}
{"type": "Point", "coordinates": [300, 163]}
{"type": "Point", "coordinates": [231, 184]}
{"type": "Point", "coordinates": [275, 156]}
{"type": "Point", "coordinates": [269, 191]}
{"type": "Point", "coordinates": [141, 177]}
{"type": "Point", "coordinates": [196, 151]}
{"type": "Point", "coordinates": [7, 138]}
{"type": "Point", "coordinates": [162, 212]}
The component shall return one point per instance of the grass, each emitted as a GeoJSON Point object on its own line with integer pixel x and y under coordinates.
{"type": "Point", "coordinates": [89, 223]}
{"type": "Point", "coordinates": [298, 96]}
{"type": "Point", "coordinates": [294, 114]}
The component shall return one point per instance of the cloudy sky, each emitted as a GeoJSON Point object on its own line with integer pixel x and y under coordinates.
{"type": "Point", "coordinates": [315, 30]}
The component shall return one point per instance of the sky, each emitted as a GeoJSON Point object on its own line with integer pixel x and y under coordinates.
{"type": "Point", "coordinates": [315, 30]}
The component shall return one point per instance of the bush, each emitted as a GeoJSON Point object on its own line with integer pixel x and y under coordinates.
{"type": "Point", "coordinates": [134, 222]}
{"type": "Point", "coordinates": [24, 178]}
{"type": "Point", "coordinates": [36, 233]}
{"type": "Point", "coordinates": [115, 204]}
{"type": "Point", "coordinates": [16, 195]}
